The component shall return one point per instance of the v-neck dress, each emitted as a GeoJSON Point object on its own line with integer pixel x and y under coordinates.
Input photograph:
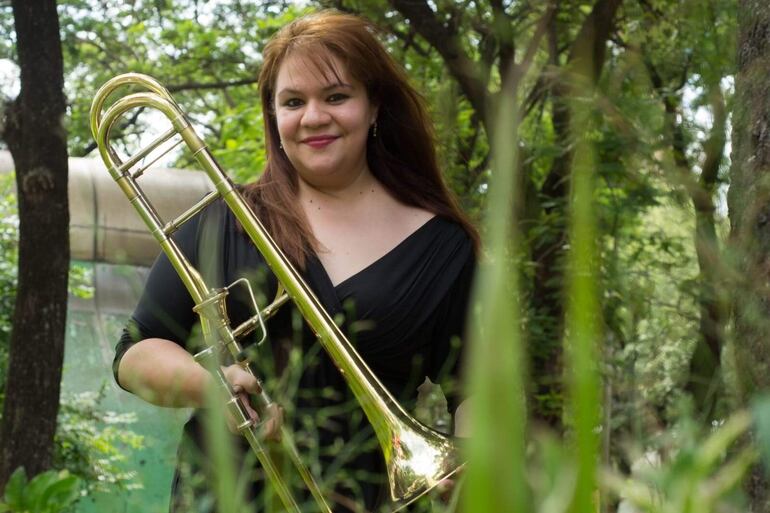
{"type": "Point", "coordinates": [404, 313]}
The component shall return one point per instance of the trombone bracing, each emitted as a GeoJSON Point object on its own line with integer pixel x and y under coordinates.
{"type": "Point", "coordinates": [417, 457]}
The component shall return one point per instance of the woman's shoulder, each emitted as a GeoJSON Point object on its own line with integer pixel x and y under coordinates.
{"type": "Point", "coordinates": [413, 218]}
{"type": "Point", "coordinates": [442, 238]}
{"type": "Point", "coordinates": [452, 229]}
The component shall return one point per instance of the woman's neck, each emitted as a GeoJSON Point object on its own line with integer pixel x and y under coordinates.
{"type": "Point", "coordinates": [342, 195]}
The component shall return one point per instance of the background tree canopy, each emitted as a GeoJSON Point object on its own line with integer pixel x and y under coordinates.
{"type": "Point", "coordinates": [612, 124]}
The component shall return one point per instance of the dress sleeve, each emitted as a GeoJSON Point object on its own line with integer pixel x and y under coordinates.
{"type": "Point", "coordinates": [165, 307]}
{"type": "Point", "coordinates": [446, 363]}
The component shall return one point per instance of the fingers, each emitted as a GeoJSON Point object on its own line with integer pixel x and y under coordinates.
{"type": "Point", "coordinates": [244, 384]}
{"type": "Point", "coordinates": [448, 489]}
{"type": "Point", "coordinates": [251, 413]}
{"type": "Point", "coordinates": [271, 428]}
{"type": "Point", "coordinates": [445, 489]}
{"type": "Point", "coordinates": [241, 380]}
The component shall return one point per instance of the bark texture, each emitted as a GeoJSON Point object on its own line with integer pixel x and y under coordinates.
{"type": "Point", "coordinates": [36, 137]}
{"type": "Point", "coordinates": [749, 208]}
{"type": "Point", "coordinates": [749, 197]}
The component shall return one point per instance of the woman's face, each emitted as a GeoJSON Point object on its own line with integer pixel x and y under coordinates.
{"type": "Point", "coordinates": [323, 120]}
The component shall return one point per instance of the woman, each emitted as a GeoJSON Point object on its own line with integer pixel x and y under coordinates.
{"type": "Point", "coordinates": [353, 195]}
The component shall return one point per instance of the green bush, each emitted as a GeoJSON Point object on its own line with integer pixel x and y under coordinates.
{"type": "Point", "coordinates": [691, 470]}
{"type": "Point", "coordinates": [49, 492]}
{"type": "Point", "coordinates": [91, 443]}
{"type": "Point", "coordinates": [9, 224]}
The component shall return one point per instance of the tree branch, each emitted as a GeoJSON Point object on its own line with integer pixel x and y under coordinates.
{"type": "Point", "coordinates": [520, 70]}
{"type": "Point", "coordinates": [589, 44]}
{"type": "Point", "coordinates": [123, 127]}
{"type": "Point", "coordinates": [191, 86]}
{"type": "Point", "coordinates": [409, 41]}
{"type": "Point", "coordinates": [714, 146]}
{"type": "Point", "coordinates": [469, 74]}
{"type": "Point", "coordinates": [503, 30]}
{"type": "Point", "coordinates": [593, 36]}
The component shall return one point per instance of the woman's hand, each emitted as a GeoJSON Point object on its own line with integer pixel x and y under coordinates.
{"type": "Point", "coordinates": [244, 384]}
{"type": "Point", "coordinates": [463, 419]}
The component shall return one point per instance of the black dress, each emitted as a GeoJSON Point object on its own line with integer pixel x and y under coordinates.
{"type": "Point", "coordinates": [404, 314]}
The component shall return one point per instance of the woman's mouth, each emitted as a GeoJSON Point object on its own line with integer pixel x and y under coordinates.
{"type": "Point", "coordinates": [319, 141]}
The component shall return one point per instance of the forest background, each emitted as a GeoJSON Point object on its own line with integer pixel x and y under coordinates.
{"type": "Point", "coordinates": [615, 154]}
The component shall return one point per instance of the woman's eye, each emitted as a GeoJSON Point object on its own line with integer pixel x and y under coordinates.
{"type": "Point", "coordinates": [337, 98]}
{"type": "Point", "coordinates": [292, 103]}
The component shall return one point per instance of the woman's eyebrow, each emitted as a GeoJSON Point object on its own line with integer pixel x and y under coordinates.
{"type": "Point", "coordinates": [289, 90]}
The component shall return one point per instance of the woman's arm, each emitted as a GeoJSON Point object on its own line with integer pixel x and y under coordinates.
{"type": "Point", "coordinates": [163, 373]}
{"type": "Point", "coordinates": [151, 360]}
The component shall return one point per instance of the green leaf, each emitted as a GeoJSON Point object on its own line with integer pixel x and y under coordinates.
{"type": "Point", "coordinates": [14, 489]}
{"type": "Point", "coordinates": [61, 494]}
{"type": "Point", "coordinates": [35, 490]}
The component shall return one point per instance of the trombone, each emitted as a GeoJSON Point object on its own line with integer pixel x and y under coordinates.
{"type": "Point", "coordinates": [416, 457]}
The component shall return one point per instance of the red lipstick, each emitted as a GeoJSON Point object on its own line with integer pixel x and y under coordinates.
{"type": "Point", "coordinates": [319, 141]}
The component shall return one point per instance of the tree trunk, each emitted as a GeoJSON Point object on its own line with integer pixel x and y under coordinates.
{"type": "Point", "coordinates": [705, 380]}
{"type": "Point", "coordinates": [749, 196]}
{"type": "Point", "coordinates": [37, 139]}
{"type": "Point", "coordinates": [749, 207]}
{"type": "Point", "coordinates": [548, 250]}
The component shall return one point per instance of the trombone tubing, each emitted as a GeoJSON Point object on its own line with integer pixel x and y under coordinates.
{"type": "Point", "coordinates": [193, 282]}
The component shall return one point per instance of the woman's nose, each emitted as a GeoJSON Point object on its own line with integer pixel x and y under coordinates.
{"type": "Point", "coordinates": [315, 114]}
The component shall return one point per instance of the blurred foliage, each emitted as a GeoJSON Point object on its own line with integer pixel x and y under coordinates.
{"type": "Point", "coordinates": [9, 225]}
{"type": "Point", "coordinates": [206, 54]}
{"type": "Point", "coordinates": [49, 492]}
{"type": "Point", "coordinates": [92, 443]}
{"type": "Point", "coordinates": [689, 469]}
{"type": "Point", "coordinates": [650, 113]}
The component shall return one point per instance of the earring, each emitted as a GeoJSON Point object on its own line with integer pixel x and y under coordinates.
{"type": "Point", "coordinates": [374, 129]}
{"type": "Point", "coordinates": [280, 144]}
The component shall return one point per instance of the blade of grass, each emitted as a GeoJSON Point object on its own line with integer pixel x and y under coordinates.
{"type": "Point", "coordinates": [496, 475]}
{"type": "Point", "coordinates": [583, 334]}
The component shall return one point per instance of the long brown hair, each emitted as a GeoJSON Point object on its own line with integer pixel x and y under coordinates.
{"type": "Point", "coordinates": [402, 156]}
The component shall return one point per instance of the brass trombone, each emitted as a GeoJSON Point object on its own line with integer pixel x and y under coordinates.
{"type": "Point", "coordinates": [417, 457]}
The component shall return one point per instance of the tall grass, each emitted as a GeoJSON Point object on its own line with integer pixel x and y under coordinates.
{"type": "Point", "coordinates": [702, 469]}
{"type": "Point", "coordinates": [499, 477]}
{"type": "Point", "coordinates": [583, 313]}
{"type": "Point", "coordinates": [496, 477]}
